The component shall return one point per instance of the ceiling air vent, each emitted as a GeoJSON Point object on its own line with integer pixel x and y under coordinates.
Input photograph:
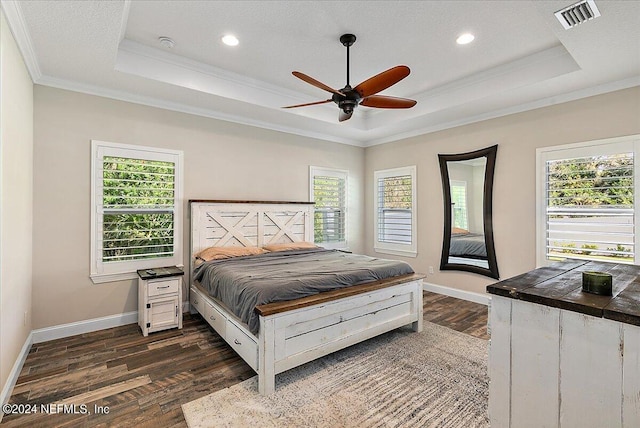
{"type": "Point", "coordinates": [577, 13]}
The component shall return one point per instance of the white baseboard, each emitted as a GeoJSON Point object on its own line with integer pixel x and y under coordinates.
{"type": "Point", "coordinates": [15, 372]}
{"type": "Point", "coordinates": [61, 331]}
{"type": "Point", "coordinates": [80, 327]}
{"type": "Point", "coordinates": [457, 293]}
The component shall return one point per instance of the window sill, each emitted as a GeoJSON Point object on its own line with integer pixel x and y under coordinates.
{"type": "Point", "coordinates": [333, 246]}
{"type": "Point", "coordinates": [405, 253]}
{"type": "Point", "coordinates": [101, 278]}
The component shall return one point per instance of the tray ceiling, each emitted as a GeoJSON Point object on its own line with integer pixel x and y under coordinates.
{"type": "Point", "coordinates": [522, 58]}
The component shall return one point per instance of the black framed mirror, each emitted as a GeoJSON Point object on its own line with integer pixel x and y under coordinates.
{"type": "Point", "coordinates": [467, 186]}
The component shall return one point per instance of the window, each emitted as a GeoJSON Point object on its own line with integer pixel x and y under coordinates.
{"type": "Point", "coordinates": [586, 201]}
{"type": "Point", "coordinates": [395, 211]}
{"type": "Point", "coordinates": [329, 192]}
{"type": "Point", "coordinates": [459, 201]}
{"type": "Point", "coordinates": [136, 210]}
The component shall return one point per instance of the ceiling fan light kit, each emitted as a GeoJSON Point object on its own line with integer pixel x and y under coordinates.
{"type": "Point", "coordinates": [349, 98]}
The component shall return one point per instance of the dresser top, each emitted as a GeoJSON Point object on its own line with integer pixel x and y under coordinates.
{"type": "Point", "coordinates": [560, 286]}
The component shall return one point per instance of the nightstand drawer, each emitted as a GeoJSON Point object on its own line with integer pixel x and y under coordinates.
{"type": "Point", "coordinates": [158, 287]}
{"type": "Point", "coordinates": [245, 346]}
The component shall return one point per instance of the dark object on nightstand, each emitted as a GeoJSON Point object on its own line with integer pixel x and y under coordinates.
{"type": "Point", "coordinates": [160, 272]}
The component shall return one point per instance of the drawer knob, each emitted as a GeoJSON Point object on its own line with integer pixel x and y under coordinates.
{"type": "Point", "coordinates": [164, 286]}
{"type": "Point", "coordinates": [212, 318]}
{"type": "Point", "coordinates": [195, 301]}
{"type": "Point", "coordinates": [237, 342]}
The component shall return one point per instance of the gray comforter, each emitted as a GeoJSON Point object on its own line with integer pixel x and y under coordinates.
{"type": "Point", "coordinates": [242, 283]}
{"type": "Point", "coordinates": [469, 245]}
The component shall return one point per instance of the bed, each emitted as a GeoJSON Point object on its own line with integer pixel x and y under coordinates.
{"type": "Point", "coordinates": [468, 245]}
{"type": "Point", "coordinates": [276, 336]}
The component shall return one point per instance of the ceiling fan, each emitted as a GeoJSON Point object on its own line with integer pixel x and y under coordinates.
{"type": "Point", "coordinates": [349, 98]}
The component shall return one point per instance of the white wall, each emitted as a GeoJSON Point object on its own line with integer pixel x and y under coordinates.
{"type": "Point", "coordinates": [222, 160]}
{"type": "Point", "coordinates": [517, 137]}
{"type": "Point", "coordinates": [230, 161]}
{"type": "Point", "coordinates": [16, 203]}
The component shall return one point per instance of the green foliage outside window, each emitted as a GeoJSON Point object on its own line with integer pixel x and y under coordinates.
{"type": "Point", "coordinates": [594, 193]}
{"type": "Point", "coordinates": [138, 201]}
{"type": "Point", "coordinates": [396, 192]}
{"type": "Point", "coordinates": [599, 181]}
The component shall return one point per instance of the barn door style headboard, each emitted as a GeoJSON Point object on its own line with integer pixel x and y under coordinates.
{"type": "Point", "coordinates": [248, 223]}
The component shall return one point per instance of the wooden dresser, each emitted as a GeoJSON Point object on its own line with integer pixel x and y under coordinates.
{"type": "Point", "coordinates": [560, 357]}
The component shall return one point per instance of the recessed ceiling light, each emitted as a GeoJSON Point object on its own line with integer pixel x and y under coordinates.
{"type": "Point", "coordinates": [465, 38]}
{"type": "Point", "coordinates": [230, 40]}
{"type": "Point", "coordinates": [166, 42]}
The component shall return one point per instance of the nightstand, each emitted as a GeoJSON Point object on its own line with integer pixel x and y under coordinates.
{"type": "Point", "coordinates": [159, 299]}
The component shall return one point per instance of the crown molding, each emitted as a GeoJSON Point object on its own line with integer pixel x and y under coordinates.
{"type": "Point", "coordinates": [520, 108]}
{"type": "Point", "coordinates": [183, 108]}
{"type": "Point", "coordinates": [18, 27]}
{"type": "Point", "coordinates": [395, 136]}
{"type": "Point", "coordinates": [538, 67]}
{"type": "Point", "coordinates": [156, 64]}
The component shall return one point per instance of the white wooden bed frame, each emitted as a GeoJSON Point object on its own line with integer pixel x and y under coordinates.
{"type": "Point", "coordinates": [295, 332]}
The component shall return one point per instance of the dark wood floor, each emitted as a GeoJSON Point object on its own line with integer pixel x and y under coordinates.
{"type": "Point", "coordinates": [143, 381]}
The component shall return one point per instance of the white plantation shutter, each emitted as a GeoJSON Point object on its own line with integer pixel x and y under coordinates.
{"type": "Point", "coordinates": [138, 204]}
{"type": "Point", "coordinates": [394, 209]}
{"type": "Point", "coordinates": [590, 208]}
{"type": "Point", "coordinates": [589, 202]}
{"type": "Point", "coordinates": [395, 219]}
{"type": "Point", "coordinates": [137, 212]}
{"type": "Point", "coordinates": [329, 192]}
{"type": "Point", "coordinates": [459, 200]}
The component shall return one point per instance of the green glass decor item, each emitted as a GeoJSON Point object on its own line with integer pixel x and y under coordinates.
{"type": "Point", "coordinates": [597, 283]}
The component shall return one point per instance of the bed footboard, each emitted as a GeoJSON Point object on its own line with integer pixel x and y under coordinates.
{"type": "Point", "coordinates": [294, 337]}
{"type": "Point", "coordinates": [296, 332]}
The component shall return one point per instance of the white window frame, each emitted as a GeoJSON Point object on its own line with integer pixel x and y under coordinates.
{"type": "Point", "coordinates": [123, 270]}
{"type": "Point", "coordinates": [337, 173]}
{"type": "Point", "coordinates": [407, 250]}
{"type": "Point", "coordinates": [607, 146]}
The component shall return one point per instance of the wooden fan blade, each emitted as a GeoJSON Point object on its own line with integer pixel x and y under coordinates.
{"type": "Point", "coordinates": [315, 83]}
{"type": "Point", "coordinates": [382, 81]}
{"type": "Point", "coordinates": [383, 101]}
{"type": "Point", "coordinates": [344, 116]}
{"type": "Point", "coordinates": [309, 104]}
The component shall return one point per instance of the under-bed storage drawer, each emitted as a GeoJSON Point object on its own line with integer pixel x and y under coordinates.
{"type": "Point", "coordinates": [244, 345]}
{"type": "Point", "coordinates": [196, 300]}
{"type": "Point", "coordinates": [215, 318]}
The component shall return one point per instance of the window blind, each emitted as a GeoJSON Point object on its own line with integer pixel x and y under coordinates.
{"type": "Point", "coordinates": [459, 201]}
{"type": "Point", "coordinates": [138, 209]}
{"type": "Point", "coordinates": [330, 208]}
{"type": "Point", "coordinates": [590, 208]}
{"type": "Point", "coordinates": [395, 209]}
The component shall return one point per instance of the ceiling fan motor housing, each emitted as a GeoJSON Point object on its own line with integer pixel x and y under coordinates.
{"type": "Point", "coordinates": [347, 106]}
{"type": "Point", "coordinates": [348, 100]}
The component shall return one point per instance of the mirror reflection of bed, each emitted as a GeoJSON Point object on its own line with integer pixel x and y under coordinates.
{"type": "Point", "coordinates": [468, 248]}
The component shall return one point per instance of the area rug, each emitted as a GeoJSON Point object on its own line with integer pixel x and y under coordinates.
{"type": "Point", "coordinates": [436, 378]}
